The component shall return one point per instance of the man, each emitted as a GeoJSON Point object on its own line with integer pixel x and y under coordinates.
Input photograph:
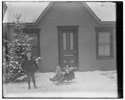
{"type": "Point", "coordinates": [30, 67]}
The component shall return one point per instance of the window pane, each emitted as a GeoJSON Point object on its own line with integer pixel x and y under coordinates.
{"type": "Point", "coordinates": [35, 51]}
{"type": "Point", "coordinates": [107, 37]}
{"type": "Point", "coordinates": [107, 50]}
{"type": "Point", "coordinates": [71, 41]}
{"type": "Point", "coordinates": [34, 40]}
{"type": "Point", "coordinates": [101, 37]}
{"type": "Point", "coordinates": [104, 43]}
{"type": "Point", "coordinates": [101, 50]}
{"type": "Point", "coordinates": [64, 41]}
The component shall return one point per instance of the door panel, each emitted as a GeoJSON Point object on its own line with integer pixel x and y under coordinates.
{"type": "Point", "coordinates": [68, 50]}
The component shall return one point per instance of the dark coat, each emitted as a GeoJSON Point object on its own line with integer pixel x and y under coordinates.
{"type": "Point", "coordinates": [29, 66]}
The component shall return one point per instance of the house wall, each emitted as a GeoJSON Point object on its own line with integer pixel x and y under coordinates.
{"type": "Point", "coordinates": [71, 14]}
{"type": "Point", "coordinates": [88, 60]}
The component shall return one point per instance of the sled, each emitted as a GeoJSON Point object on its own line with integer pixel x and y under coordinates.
{"type": "Point", "coordinates": [64, 82]}
{"type": "Point", "coordinates": [68, 78]}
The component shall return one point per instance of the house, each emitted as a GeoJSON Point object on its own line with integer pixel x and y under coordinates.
{"type": "Point", "coordinates": [72, 33]}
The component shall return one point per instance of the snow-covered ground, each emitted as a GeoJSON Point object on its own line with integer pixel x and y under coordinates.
{"type": "Point", "coordinates": [86, 84]}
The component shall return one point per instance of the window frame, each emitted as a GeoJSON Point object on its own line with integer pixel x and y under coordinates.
{"type": "Point", "coordinates": [104, 29]}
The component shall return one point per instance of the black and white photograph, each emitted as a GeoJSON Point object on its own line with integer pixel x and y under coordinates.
{"type": "Point", "coordinates": [59, 49]}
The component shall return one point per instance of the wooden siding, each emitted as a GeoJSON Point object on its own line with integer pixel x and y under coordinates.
{"type": "Point", "coordinates": [71, 14]}
{"type": "Point", "coordinates": [87, 55]}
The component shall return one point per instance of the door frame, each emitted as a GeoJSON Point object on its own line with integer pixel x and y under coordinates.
{"type": "Point", "coordinates": [59, 56]}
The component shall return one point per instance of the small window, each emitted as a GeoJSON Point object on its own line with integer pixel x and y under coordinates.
{"type": "Point", "coordinates": [104, 43]}
{"type": "Point", "coordinates": [64, 41]}
{"type": "Point", "coordinates": [71, 41]}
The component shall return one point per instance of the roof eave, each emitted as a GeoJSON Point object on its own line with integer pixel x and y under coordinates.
{"type": "Point", "coordinates": [43, 13]}
{"type": "Point", "coordinates": [108, 22]}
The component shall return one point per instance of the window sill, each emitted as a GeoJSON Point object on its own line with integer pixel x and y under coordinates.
{"type": "Point", "coordinates": [105, 57]}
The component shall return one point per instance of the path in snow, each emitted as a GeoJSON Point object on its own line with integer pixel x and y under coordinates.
{"type": "Point", "coordinates": [86, 84]}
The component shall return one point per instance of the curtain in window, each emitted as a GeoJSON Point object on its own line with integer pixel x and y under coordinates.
{"type": "Point", "coordinates": [104, 43]}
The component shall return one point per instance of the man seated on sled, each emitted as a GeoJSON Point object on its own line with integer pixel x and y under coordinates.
{"type": "Point", "coordinates": [58, 75]}
{"type": "Point", "coordinates": [69, 73]}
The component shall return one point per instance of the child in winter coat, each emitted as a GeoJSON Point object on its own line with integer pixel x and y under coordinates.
{"type": "Point", "coordinates": [58, 75]}
{"type": "Point", "coordinates": [30, 67]}
{"type": "Point", "coordinates": [69, 73]}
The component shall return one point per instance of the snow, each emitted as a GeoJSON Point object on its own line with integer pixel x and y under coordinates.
{"type": "Point", "coordinates": [86, 84]}
{"type": "Point", "coordinates": [105, 11]}
{"type": "Point", "coordinates": [30, 11]}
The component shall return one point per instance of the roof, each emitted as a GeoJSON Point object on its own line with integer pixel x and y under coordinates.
{"type": "Point", "coordinates": [31, 11]}
{"type": "Point", "coordinates": [105, 11]}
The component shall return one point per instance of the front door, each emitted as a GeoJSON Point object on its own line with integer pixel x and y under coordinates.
{"type": "Point", "coordinates": [68, 46]}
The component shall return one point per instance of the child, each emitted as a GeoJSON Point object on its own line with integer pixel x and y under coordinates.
{"type": "Point", "coordinates": [69, 74]}
{"type": "Point", "coordinates": [29, 66]}
{"type": "Point", "coordinates": [58, 75]}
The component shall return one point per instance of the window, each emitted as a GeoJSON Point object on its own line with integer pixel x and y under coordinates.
{"type": "Point", "coordinates": [34, 33]}
{"type": "Point", "coordinates": [104, 43]}
{"type": "Point", "coordinates": [34, 43]}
